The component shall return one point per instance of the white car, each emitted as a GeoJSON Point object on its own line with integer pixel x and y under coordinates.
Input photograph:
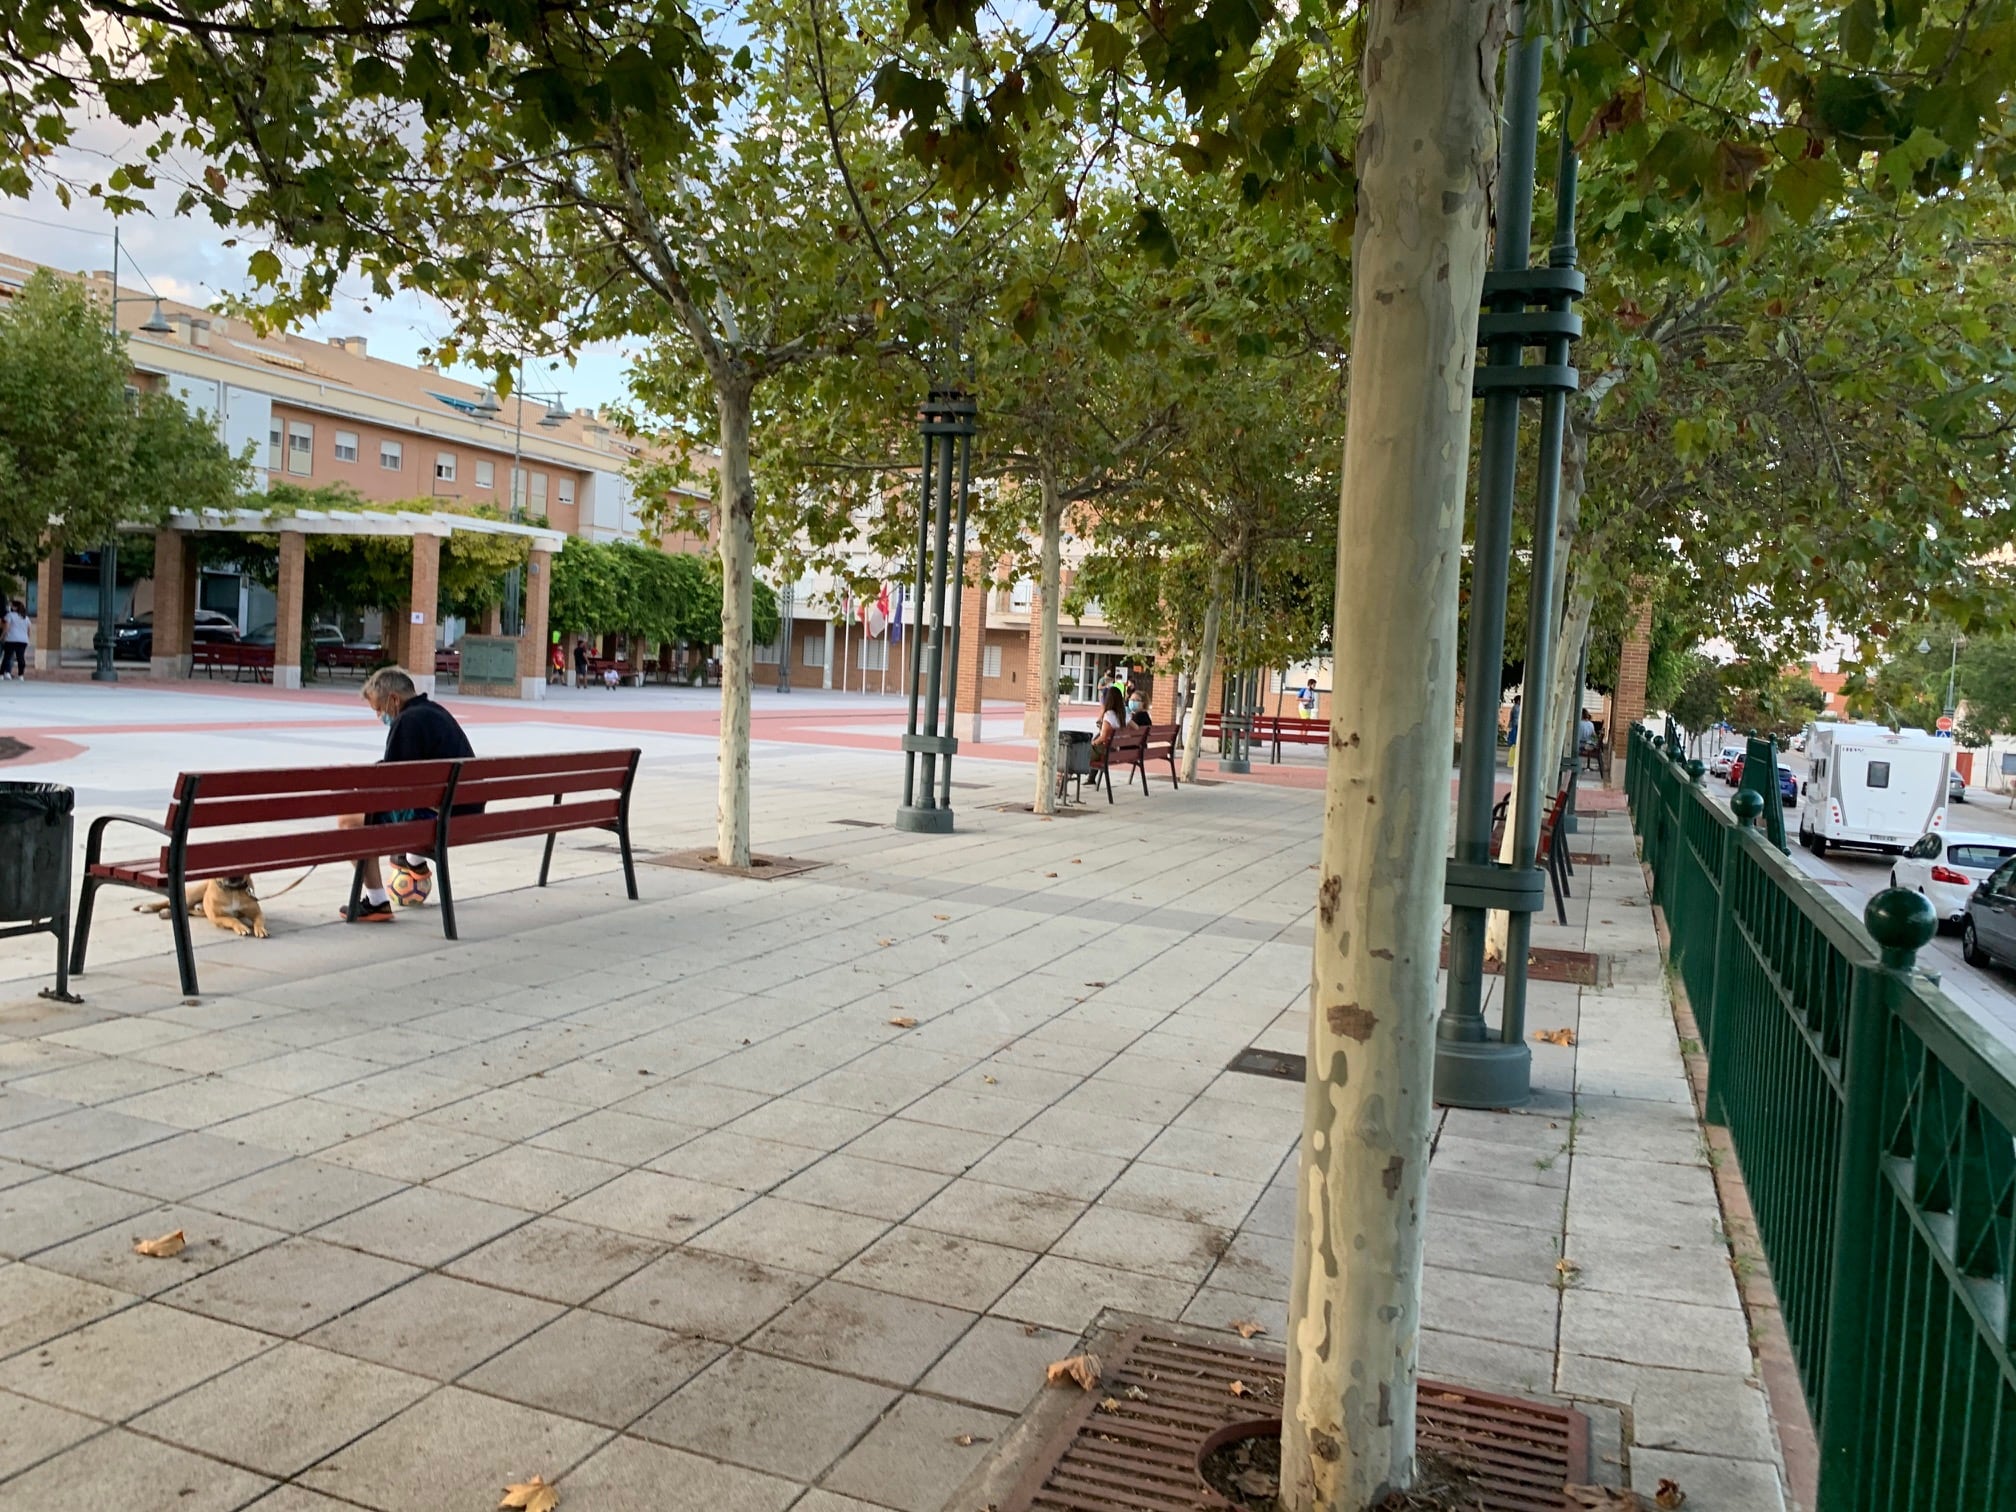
{"type": "Point", "coordinates": [1946, 867]}
{"type": "Point", "coordinates": [1724, 759]}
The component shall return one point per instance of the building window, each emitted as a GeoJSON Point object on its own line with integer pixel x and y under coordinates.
{"type": "Point", "coordinates": [767, 655]}
{"type": "Point", "coordinates": [300, 447]}
{"type": "Point", "coordinates": [874, 655]}
{"type": "Point", "coordinates": [444, 467]}
{"type": "Point", "coordinates": [990, 662]}
{"type": "Point", "coordinates": [815, 650]}
{"type": "Point", "coordinates": [703, 519]}
{"type": "Point", "coordinates": [346, 446]}
{"type": "Point", "coordinates": [538, 501]}
{"type": "Point", "coordinates": [275, 444]}
{"type": "Point", "coordinates": [391, 455]}
{"type": "Point", "coordinates": [1023, 594]}
{"type": "Point", "coordinates": [563, 491]}
{"type": "Point", "coordinates": [486, 474]}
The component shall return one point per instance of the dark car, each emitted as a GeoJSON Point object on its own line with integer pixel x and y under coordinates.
{"type": "Point", "coordinates": [1956, 788]}
{"type": "Point", "coordinates": [133, 639]}
{"type": "Point", "coordinates": [1988, 932]}
{"type": "Point", "coordinates": [1788, 788]}
{"type": "Point", "coordinates": [324, 635]}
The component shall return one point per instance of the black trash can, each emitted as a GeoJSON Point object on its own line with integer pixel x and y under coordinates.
{"type": "Point", "coordinates": [1074, 759]}
{"type": "Point", "coordinates": [35, 838]}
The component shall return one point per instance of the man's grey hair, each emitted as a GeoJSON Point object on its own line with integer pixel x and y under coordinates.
{"type": "Point", "coordinates": [388, 683]}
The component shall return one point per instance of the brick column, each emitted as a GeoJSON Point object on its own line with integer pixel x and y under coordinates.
{"type": "Point", "coordinates": [287, 609]}
{"type": "Point", "coordinates": [1032, 676]}
{"type": "Point", "coordinates": [972, 648]}
{"type": "Point", "coordinates": [417, 640]}
{"type": "Point", "coordinates": [493, 621]}
{"type": "Point", "coordinates": [174, 604]}
{"type": "Point", "coordinates": [1627, 704]}
{"type": "Point", "coordinates": [532, 634]}
{"type": "Point", "coordinates": [48, 635]}
{"type": "Point", "coordinates": [1162, 696]}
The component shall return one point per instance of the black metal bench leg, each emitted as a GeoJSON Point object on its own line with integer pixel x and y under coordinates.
{"type": "Point", "coordinates": [1560, 903]}
{"type": "Point", "coordinates": [80, 939]}
{"type": "Point", "coordinates": [629, 863]}
{"type": "Point", "coordinates": [185, 944]}
{"type": "Point", "coordinates": [546, 861]}
{"type": "Point", "coordinates": [447, 886]}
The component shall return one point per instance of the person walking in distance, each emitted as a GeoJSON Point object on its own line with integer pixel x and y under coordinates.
{"type": "Point", "coordinates": [14, 641]}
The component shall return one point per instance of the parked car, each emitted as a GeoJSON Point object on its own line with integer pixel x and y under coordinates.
{"type": "Point", "coordinates": [1735, 773]}
{"type": "Point", "coordinates": [1988, 933]}
{"type": "Point", "coordinates": [1956, 788]}
{"type": "Point", "coordinates": [133, 639]}
{"type": "Point", "coordinates": [1948, 867]}
{"type": "Point", "coordinates": [324, 635]}
{"type": "Point", "coordinates": [1723, 759]}
{"type": "Point", "coordinates": [1788, 788]}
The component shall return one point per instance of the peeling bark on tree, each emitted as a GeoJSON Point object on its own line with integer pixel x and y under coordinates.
{"type": "Point", "coordinates": [1049, 591]}
{"type": "Point", "coordinates": [1426, 157]}
{"type": "Point", "coordinates": [1207, 664]}
{"type": "Point", "coordinates": [738, 586]}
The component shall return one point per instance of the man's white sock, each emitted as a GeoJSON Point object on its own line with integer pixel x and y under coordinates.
{"type": "Point", "coordinates": [376, 895]}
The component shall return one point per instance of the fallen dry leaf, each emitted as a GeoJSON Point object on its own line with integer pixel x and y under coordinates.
{"type": "Point", "coordinates": [1049, 874]}
{"type": "Point", "coordinates": [1136, 1394]}
{"type": "Point", "coordinates": [1081, 1370]}
{"type": "Point", "coordinates": [1076, 862]}
{"type": "Point", "coordinates": [1246, 1328]}
{"type": "Point", "coordinates": [1240, 1389]}
{"type": "Point", "coordinates": [903, 1021]}
{"type": "Point", "coordinates": [1669, 1495]}
{"type": "Point", "coordinates": [989, 1080]}
{"type": "Point", "coordinates": [533, 1496]}
{"type": "Point", "coordinates": [1110, 1404]}
{"type": "Point", "coordinates": [941, 918]}
{"type": "Point", "coordinates": [1030, 1330]}
{"type": "Point", "coordinates": [1567, 1268]}
{"type": "Point", "coordinates": [1605, 1499]}
{"type": "Point", "coordinates": [885, 942]}
{"type": "Point", "coordinates": [166, 1246]}
{"type": "Point", "coordinates": [1555, 1036]}
{"type": "Point", "coordinates": [968, 1440]}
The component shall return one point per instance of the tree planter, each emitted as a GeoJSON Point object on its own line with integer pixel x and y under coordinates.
{"type": "Point", "coordinates": [1225, 1438]}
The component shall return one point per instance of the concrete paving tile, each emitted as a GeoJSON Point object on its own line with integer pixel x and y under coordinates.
{"type": "Point", "coordinates": [1679, 1409]}
{"type": "Point", "coordinates": [714, 1296]}
{"type": "Point", "coordinates": [1068, 1294]}
{"type": "Point", "coordinates": [774, 1230]}
{"type": "Point", "coordinates": [31, 1431]}
{"type": "Point", "coordinates": [927, 1147]}
{"type": "Point", "coordinates": [122, 1035]}
{"type": "Point", "coordinates": [935, 1267]}
{"type": "Point", "coordinates": [865, 1091]}
{"type": "Point", "coordinates": [1674, 1334]}
{"type": "Point", "coordinates": [1712, 1482]}
{"type": "Point", "coordinates": [831, 1501]}
{"type": "Point", "coordinates": [129, 1361]}
{"type": "Point", "coordinates": [1457, 1194]}
{"type": "Point", "coordinates": [1053, 1170]}
{"type": "Point", "coordinates": [1114, 1099]}
{"type": "Point", "coordinates": [726, 1158]}
{"type": "Point", "coordinates": [998, 1364]}
{"type": "Point", "coordinates": [778, 1416]}
{"type": "Point", "coordinates": [1256, 1264]}
{"type": "Point", "coordinates": [290, 1287]}
{"type": "Point", "coordinates": [69, 1140]}
{"type": "Point", "coordinates": [203, 1053]}
{"type": "Point", "coordinates": [557, 1260]}
{"type": "Point", "coordinates": [37, 1304]}
{"type": "Point", "coordinates": [1482, 1247]}
{"type": "Point", "coordinates": [422, 1226]}
{"type": "Point", "coordinates": [286, 1409]}
{"type": "Point", "coordinates": [918, 1455]}
{"type": "Point", "coordinates": [1214, 1307]}
{"type": "Point", "coordinates": [1486, 1363]}
{"type": "Point", "coordinates": [106, 1256]}
{"type": "Point", "coordinates": [99, 1080]}
{"type": "Point", "coordinates": [665, 1209]}
{"type": "Point", "coordinates": [409, 1150]}
{"type": "Point", "coordinates": [37, 1214]}
{"type": "Point", "coordinates": [1635, 1266]}
{"type": "Point", "coordinates": [13, 1173]}
{"type": "Point", "coordinates": [1077, 1129]}
{"type": "Point", "coordinates": [1624, 1183]}
{"type": "Point", "coordinates": [1193, 1197]}
{"type": "Point", "coordinates": [180, 1167]}
{"type": "Point", "coordinates": [628, 1139]}
{"type": "Point", "coordinates": [121, 1469]}
{"type": "Point", "coordinates": [866, 1333]}
{"type": "Point", "coordinates": [527, 1177]}
{"type": "Point", "coordinates": [1633, 1129]}
{"type": "Point", "coordinates": [1544, 1165]}
{"type": "Point", "coordinates": [435, 1326]}
{"type": "Point", "coordinates": [301, 1072]}
{"type": "Point", "coordinates": [201, 1102]}
{"type": "Point", "coordinates": [868, 1187]}
{"type": "Point", "coordinates": [999, 1214]}
{"type": "Point", "coordinates": [1126, 1240]}
{"type": "Point", "coordinates": [303, 1126]}
{"type": "Point", "coordinates": [970, 1111]}
{"type": "Point", "coordinates": [793, 1120]}
{"type": "Point", "coordinates": [695, 1104]}
{"type": "Point", "coordinates": [630, 1475]}
{"type": "Point", "coordinates": [452, 1447]}
{"type": "Point", "coordinates": [401, 1090]}
{"type": "Point", "coordinates": [1215, 1154]}
{"type": "Point", "coordinates": [593, 1366]}
{"type": "Point", "coordinates": [1489, 1307]}
{"type": "Point", "coordinates": [298, 1195]}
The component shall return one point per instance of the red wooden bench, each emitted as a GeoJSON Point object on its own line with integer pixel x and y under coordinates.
{"type": "Point", "coordinates": [351, 658]}
{"type": "Point", "coordinates": [1276, 730]}
{"type": "Point", "coordinates": [240, 824]}
{"type": "Point", "coordinates": [1137, 745]}
{"type": "Point", "coordinates": [626, 670]}
{"type": "Point", "coordinates": [239, 659]}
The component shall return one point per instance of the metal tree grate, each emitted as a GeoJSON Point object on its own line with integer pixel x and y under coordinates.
{"type": "Point", "coordinates": [1131, 1445]}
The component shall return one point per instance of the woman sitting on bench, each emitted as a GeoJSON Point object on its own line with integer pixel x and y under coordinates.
{"type": "Point", "coordinates": [1111, 712]}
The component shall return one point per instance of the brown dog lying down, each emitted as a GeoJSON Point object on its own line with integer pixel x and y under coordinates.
{"type": "Point", "coordinates": [227, 902]}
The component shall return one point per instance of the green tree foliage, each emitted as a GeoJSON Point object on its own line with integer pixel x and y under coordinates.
{"type": "Point", "coordinates": [1770, 700]}
{"type": "Point", "coordinates": [1904, 687]}
{"type": "Point", "coordinates": [78, 456]}
{"type": "Point", "coordinates": [657, 596]}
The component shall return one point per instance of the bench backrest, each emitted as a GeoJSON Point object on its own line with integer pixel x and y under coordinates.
{"type": "Point", "coordinates": [309, 800]}
{"type": "Point", "coordinates": [1128, 740]}
{"type": "Point", "coordinates": [579, 789]}
{"type": "Point", "coordinates": [1161, 741]}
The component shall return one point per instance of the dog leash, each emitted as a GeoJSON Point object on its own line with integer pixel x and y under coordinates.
{"type": "Point", "coordinates": [292, 885]}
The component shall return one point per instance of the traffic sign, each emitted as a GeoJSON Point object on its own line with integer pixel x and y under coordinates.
{"type": "Point", "coordinates": [1943, 723]}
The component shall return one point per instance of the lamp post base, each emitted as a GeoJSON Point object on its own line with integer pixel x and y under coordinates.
{"type": "Point", "coordinates": [923, 821]}
{"type": "Point", "coordinates": [1482, 1074]}
{"type": "Point", "coordinates": [1237, 765]}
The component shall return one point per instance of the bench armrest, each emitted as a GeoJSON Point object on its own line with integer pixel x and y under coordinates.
{"type": "Point", "coordinates": [95, 837]}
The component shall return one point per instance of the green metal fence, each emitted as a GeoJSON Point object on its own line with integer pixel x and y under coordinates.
{"type": "Point", "coordinates": [1876, 1126]}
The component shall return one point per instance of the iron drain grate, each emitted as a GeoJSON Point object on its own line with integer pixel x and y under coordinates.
{"type": "Point", "coordinates": [1273, 1063]}
{"type": "Point", "coordinates": [1131, 1445]}
{"type": "Point", "coordinates": [1547, 963]}
{"type": "Point", "coordinates": [1064, 810]}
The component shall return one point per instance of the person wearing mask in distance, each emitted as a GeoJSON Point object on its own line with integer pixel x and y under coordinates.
{"type": "Point", "coordinates": [418, 729]}
{"type": "Point", "coordinates": [1137, 711]}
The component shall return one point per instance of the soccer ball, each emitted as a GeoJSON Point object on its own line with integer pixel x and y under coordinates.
{"type": "Point", "coordinates": [409, 888]}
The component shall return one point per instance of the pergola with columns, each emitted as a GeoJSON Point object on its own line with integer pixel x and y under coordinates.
{"type": "Point", "coordinates": [410, 626]}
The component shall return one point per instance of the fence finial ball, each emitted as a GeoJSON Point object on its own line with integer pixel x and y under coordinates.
{"type": "Point", "coordinates": [1747, 806]}
{"type": "Point", "coordinates": [1901, 922]}
{"type": "Point", "coordinates": [1695, 771]}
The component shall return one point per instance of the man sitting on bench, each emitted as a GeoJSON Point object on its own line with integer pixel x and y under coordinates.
{"type": "Point", "coordinates": [419, 730]}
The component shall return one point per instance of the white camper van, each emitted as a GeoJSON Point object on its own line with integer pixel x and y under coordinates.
{"type": "Point", "coordinates": [1872, 788]}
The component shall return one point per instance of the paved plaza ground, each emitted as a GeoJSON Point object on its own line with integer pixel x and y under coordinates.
{"type": "Point", "coordinates": [655, 1200]}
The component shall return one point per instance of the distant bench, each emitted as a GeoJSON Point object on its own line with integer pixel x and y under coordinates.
{"type": "Point", "coordinates": [295, 811]}
{"type": "Point", "coordinates": [1276, 729]}
{"type": "Point", "coordinates": [234, 657]}
{"type": "Point", "coordinates": [1135, 746]}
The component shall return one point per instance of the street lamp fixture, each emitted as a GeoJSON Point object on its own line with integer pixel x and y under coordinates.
{"type": "Point", "coordinates": [556, 414]}
{"type": "Point", "coordinates": [157, 323]}
{"type": "Point", "coordinates": [486, 402]}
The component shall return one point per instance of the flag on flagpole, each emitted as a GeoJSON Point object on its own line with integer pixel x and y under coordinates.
{"type": "Point", "coordinates": [896, 616]}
